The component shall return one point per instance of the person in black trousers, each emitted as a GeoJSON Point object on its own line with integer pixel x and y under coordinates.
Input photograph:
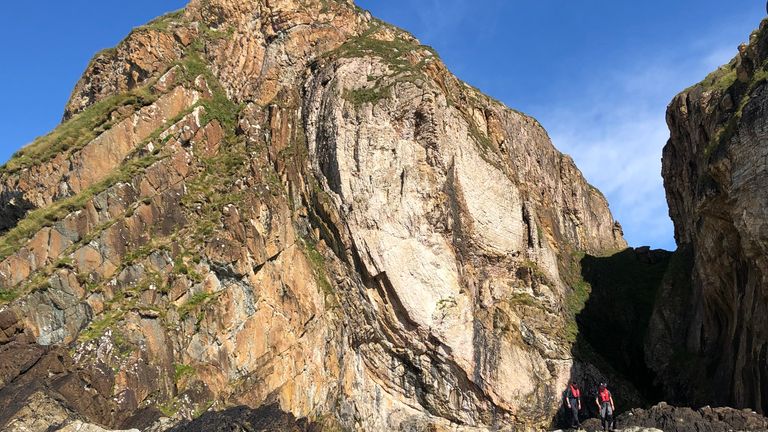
{"type": "Point", "coordinates": [573, 402]}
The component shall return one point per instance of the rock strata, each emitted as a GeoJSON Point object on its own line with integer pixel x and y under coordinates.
{"type": "Point", "coordinates": [707, 341]}
{"type": "Point", "coordinates": [290, 208]}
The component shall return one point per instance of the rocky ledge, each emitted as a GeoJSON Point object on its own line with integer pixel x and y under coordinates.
{"type": "Point", "coordinates": [667, 418]}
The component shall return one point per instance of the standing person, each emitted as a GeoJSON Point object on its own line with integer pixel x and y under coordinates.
{"type": "Point", "coordinates": [604, 402]}
{"type": "Point", "coordinates": [573, 401]}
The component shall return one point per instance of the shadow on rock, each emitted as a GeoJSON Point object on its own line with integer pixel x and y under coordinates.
{"type": "Point", "coordinates": [615, 318]}
{"type": "Point", "coordinates": [13, 208]}
{"type": "Point", "coordinates": [613, 299]}
{"type": "Point", "coordinates": [268, 418]}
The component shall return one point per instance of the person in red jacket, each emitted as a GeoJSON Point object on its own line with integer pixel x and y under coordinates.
{"type": "Point", "coordinates": [573, 401]}
{"type": "Point", "coordinates": [604, 402]}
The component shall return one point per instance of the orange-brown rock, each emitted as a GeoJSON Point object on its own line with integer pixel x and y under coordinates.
{"type": "Point", "coordinates": [311, 213]}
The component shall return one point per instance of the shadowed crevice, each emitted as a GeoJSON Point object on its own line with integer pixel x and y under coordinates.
{"type": "Point", "coordinates": [13, 208]}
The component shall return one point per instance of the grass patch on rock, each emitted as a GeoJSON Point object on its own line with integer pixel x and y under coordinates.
{"type": "Point", "coordinates": [181, 371]}
{"type": "Point", "coordinates": [319, 269]}
{"type": "Point", "coordinates": [35, 220]}
{"type": "Point", "coordinates": [77, 131]}
{"type": "Point", "coordinates": [401, 52]}
{"type": "Point", "coordinates": [99, 327]}
{"type": "Point", "coordinates": [197, 300]}
{"type": "Point", "coordinates": [7, 296]}
{"type": "Point", "coordinates": [164, 23]}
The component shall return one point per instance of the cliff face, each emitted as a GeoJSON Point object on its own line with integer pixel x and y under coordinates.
{"type": "Point", "coordinates": [708, 340]}
{"type": "Point", "coordinates": [289, 202]}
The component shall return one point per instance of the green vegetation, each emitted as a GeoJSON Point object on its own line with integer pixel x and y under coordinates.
{"type": "Point", "coordinates": [367, 95]}
{"type": "Point", "coordinates": [725, 80]}
{"type": "Point", "coordinates": [479, 137]}
{"type": "Point", "coordinates": [192, 66]}
{"type": "Point", "coordinates": [138, 253]}
{"type": "Point", "coordinates": [727, 130]}
{"type": "Point", "coordinates": [202, 409]}
{"type": "Point", "coordinates": [318, 264]}
{"type": "Point", "coordinates": [180, 267]}
{"type": "Point", "coordinates": [180, 371]}
{"type": "Point", "coordinates": [65, 262]}
{"type": "Point", "coordinates": [219, 106]}
{"type": "Point", "coordinates": [7, 296]}
{"type": "Point", "coordinates": [524, 299]}
{"type": "Point", "coordinates": [212, 34]}
{"type": "Point", "coordinates": [210, 191]}
{"type": "Point", "coordinates": [577, 297]}
{"type": "Point", "coordinates": [168, 408]}
{"type": "Point", "coordinates": [196, 300]}
{"type": "Point", "coordinates": [84, 127]}
{"type": "Point", "coordinates": [151, 279]}
{"type": "Point", "coordinates": [123, 347]}
{"type": "Point", "coordinates": [535, 271]}
{"type": "Point", "coordinates": [78, 131]}
{"type": "Point", "coordinates": [212, 188]}
{"type": "Point", "coordinates": [35, 220]}
{"type": "Point", "coordinates": [721, 79]}
{"type": "Point", "coordinates": [91, 236]}
{"type": "Point", "coordinates": [371, 43]}
{"type": "Point", "coordinates": [446, 302]}
{"type": "Point", "coordinates": [98, 327]}
{"type": "Point", "coordinates": [208, 188]}
{"type": "Point", "coordinates": [106, 52]}
{"type": "Point", "coordinates": [163, 23]}
{"type": "Point", "coordinates": [396, 53]}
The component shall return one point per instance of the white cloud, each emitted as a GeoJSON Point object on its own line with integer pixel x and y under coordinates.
{"type": "Point", "coordinates": [616, 131]}
{"type": "Point", "coordinates": [440, 16]}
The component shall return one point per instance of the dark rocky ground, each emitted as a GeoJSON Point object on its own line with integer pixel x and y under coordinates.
{"type": "Point", "coordinates": [268, 418]}
{"type": "Point", "coordinates": [665, 417]}
{"type": "Point", "coordinates": [674, 419]}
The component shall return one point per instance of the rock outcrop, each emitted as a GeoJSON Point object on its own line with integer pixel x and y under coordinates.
{"type": "Point", "coordinates": [290, 204]}
{"type": "Point", "coordinates": [707, 340]}
{"type": "Point", "coordinates": [667, 418]}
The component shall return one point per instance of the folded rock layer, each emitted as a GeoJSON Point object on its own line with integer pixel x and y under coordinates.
{"type": "Point", "coordinates": [290, 204]}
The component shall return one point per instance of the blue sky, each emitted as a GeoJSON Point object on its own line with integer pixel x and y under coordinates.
{"type": "Point", "coordinates": [598, 74]}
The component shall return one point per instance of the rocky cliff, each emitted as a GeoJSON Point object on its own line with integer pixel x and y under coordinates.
{"type": "Point", "coordinates": [288, 203]}
{"type": "Point", "coordinates": [708, 339]}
